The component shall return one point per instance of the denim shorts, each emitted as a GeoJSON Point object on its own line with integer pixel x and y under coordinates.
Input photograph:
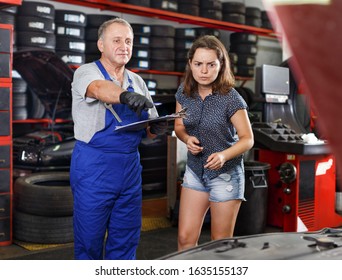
{"type": "Point", "coordinates": [225, 187]}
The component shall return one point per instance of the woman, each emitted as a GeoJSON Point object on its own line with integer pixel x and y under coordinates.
{"type": "Point", "coordinates": [216, 132]}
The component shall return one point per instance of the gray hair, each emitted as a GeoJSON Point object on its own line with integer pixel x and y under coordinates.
{"type": "Point", "coordinates": [107, 23]}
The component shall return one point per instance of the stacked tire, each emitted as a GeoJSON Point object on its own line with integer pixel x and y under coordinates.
{"type": "Point", "coordinates": [244, 46]}
{"type": "Point", "coordinates": [184, 40]}
{"type": "Point", "coordinates": [153, 158]}
{"type": "Point", "coordinates": [70, 43]}
{"type": "Point", "coordinates": [189, 7]}
{"type": "Point", "coordinates": [211, 9]}
{"type": "Point", "coordinates": [19, 97]}
{"type": "Point", "coordinates": [253, 17]}
{"type": "Point", "coordinates": [163, 47]}
{"type": "Point", "coordinates": [7, 15]}
{"type": "Point", "coordinates": [43, 208]}
{"type": "Point", "coordinates": [265, 21]}
{"type": "Point", "coordinates": [152, 85]}
{"type": "Point", "coordinates": [141, 51]}
{"type": "Point", "coordinates": [143, 3]}
{"type": "Point", "coordinates": [234, 12]}
{"type": "Point", "coordinates": [35, 26]}
{"type": "Point", "coordinates": [169, 5]}
{"type": "Point", "coordinates": [26, 104]}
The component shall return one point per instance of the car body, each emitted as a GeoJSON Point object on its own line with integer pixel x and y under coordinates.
{"type": "Point", "coordinates": [325, 244]}
{"type": "Point", "coordinates": [43, 150]}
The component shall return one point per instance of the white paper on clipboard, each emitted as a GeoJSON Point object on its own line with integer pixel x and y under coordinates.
{"type": "Point", "coordinates": [143, 124]}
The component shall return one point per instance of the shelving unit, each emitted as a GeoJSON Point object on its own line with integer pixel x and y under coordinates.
{"type": "Point", "coordinates": [171, 16]}
{"type": "Point", "coordinates": [106, 5]}
{"type": "Point", "coordinates": [6, 188]}
{"type": "Point", "coordinates": [6, 144]}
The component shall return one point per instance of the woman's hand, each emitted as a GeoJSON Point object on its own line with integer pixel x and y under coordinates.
{"type": "Point", "coordinates": [193, 145]}
{"type": "Point", "coordinates": [215, 161]}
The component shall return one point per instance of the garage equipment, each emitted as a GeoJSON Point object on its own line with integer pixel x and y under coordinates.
{"type": "Point", "coordinates": [302, 177]}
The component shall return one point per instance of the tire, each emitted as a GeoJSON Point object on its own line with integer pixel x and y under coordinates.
{"type": "Point", "coordinates": [253, 12]}
{"type": "Point", "coordinates": [7, 18]}
{"type": "Point", "coordinates": [36, 109]}
{"type": "Point", "coordinates": [211, 5]}
{"type": "Point", "coordinates": [200, 31]}
{"type": "Point", "coordinates": [163, 31]}
{"type": "Point", "coordinates": [19, 85]}
{"type": "Point", "coordinates": [90, 34]}
{"type": "Point", "coordinates": [19, 113]}
{"type": "Point", "coordinates": [162, 42]}
{"type": "Point", "coordinates": [141, 52]}
{"type": "Point", "coordinates": [163, 65]}
{"type": "Point", "coordinates": [247, 60]}
{"type": "Point", "coordinates": [72, 58]}
{"type": "Point", "coordinates": [163, 54]}
{"type": "Point", "coordinates": [71, 17]}
{"type": "Point", "coordinates": [141, 41]}
{"type": "Point", "coordinates": [29, 23]}
{"type": "Point", "coordinates": [234, 18]}
{"type": "Point", "coordinates": [70, 44]}
{"type": "Point", "coordinates": [183, 44]}
{"type": "Point", "coordinates": [243, 38]}
{"type": "Point", "coordinates": [71, 31]}
{"type": "Point", "coordinates": [234, 8]}
{"type": "Point", "coordinates": [144, 3]}
{"type": "Point", "coordinates": [44, 230]}
{"type": "Point", "coordinates": [139, 63]}
{"type": "Point", "coordinates": [141, 29]}
{"type": "Point", "coordinates": [185, 33]}
{"type": "Point", "coordinates": [95, 20]}
{"type": "Point", "coordinates": [165, 5]}
{"type": "Point", "coordinates": [19, 99]}
{"type": "Point", "coordinates": [44, 194]}
{"type": "Point", "coordinates": [248, 49]}
{"type": "Point", "coordinates": [189, 9]}
{"type": "Point", "coordinates": [36, 9]}
{"type": "Point", "coordinates": [36, 40]}
{"type": "Point", "coordinates": [212, 14]}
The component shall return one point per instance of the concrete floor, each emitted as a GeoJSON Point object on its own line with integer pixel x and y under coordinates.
{"type": "Point", "coordinates": [153, 245]}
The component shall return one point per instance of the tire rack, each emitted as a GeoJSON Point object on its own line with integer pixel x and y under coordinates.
{"type": "Point", "coordinates": [6, 188]}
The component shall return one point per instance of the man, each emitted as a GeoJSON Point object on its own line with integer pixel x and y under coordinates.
{"type": "Point", "coordinates": [105, 172]}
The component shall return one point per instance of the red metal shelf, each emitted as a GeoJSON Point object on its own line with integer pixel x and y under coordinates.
{"type": "Point", "coordinates": [48, 121]}
{"type": "Point", "coordinates": [6, 3]}
{"type": "Point", "coordinates": [156, 72]}
{"type": "Point", "coordinates": [171, 16]}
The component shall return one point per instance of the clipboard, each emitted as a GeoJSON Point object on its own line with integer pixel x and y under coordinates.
{"type": "Point", "coordinates": [143, 124]}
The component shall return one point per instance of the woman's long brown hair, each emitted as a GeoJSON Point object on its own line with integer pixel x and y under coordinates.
{"type": "Point", "coordinates": [225, 79]}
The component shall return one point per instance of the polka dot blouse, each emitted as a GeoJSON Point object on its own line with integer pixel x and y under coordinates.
{"type": "Point", "coordinates": [209, 121]}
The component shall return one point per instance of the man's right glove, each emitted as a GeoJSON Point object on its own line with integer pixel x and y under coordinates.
{"type": "Point", "coordinates": [135, 101]}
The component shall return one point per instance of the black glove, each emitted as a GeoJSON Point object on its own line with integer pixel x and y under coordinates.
{"type": "Point", "coordinates": [159, 128]}
{"type": "Point", "coordinates": [135, 101]}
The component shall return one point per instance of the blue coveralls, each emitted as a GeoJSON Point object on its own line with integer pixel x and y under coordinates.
{"type": "Point", "coordinates": [105, 177]}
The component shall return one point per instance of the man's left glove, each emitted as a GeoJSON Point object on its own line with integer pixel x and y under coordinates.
{"type": "Point", "coordinates": [159, 128]}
